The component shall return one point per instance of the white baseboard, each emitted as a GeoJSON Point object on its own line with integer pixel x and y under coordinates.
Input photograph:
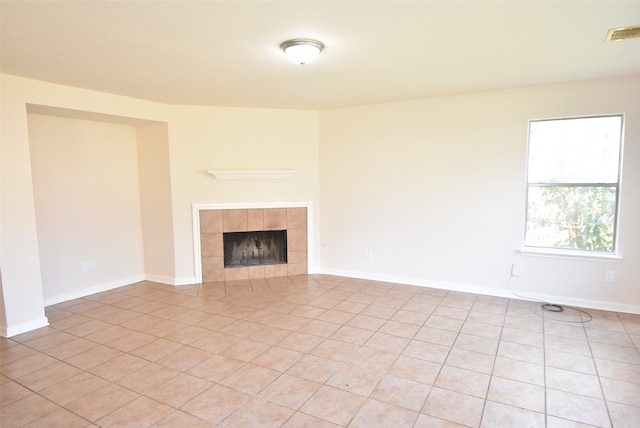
{"type": "Point", "coordinates": [190, 280]}
{"type": "Point", "coordinates": [76, 294]}
{"type": "Point", "coordinates": [488, 291]}
{"type": "Point", "coordinates": [9, 331]}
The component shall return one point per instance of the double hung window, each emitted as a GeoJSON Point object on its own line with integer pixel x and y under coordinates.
{"type": "Point", "coordinates": [573, 183]}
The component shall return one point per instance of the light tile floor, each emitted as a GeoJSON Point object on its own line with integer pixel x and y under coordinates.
{"type": "Point", "coordinates": [319, 351]}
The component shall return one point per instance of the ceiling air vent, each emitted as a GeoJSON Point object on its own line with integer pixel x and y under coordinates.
{"type": "Point", "coordinates": [623, 33]}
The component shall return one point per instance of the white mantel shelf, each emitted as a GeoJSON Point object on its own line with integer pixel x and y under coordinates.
{"type": "Point", "coordinates": [252, 174]}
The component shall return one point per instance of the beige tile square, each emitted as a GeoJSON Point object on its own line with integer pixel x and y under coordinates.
{"type": "Point", "coordinates": [210, 221]}
{"type": "Point", "coordinates": [372, 359]}
{"type": "Point", "coordinates": [518, 394]}
{"type": "Point", "coordinates": [184, 358]}
{"type": "Point", "coordinates": [320, 328]}
{"type": "Point", "coordinates": [578, 408]}
{"type": "Point", "coordinates": [455, 407]}
{"type": "Point", "coordinates": [401, 392]}
{"type": "Point", "coordinates": [93, 357]}
{"type": "Point", "coordinates": [463, 381]}
{"type": "Point", "coordinates": [498, 414]}
{"type": "Point", "coordinates": [519, 370]}
{"type": "Point", "coordinates": [179, 390]}
{"type": "Point", "coordinates": [275, 218]}
{"type": "Point", "coordinates": [216, 403]}
{"type": "Point", "coordinates": [314, 368]}
{"type": "Point", "coordinates": [356, 336]}
{"type": "Point", "coordinates": [297, 218]}
{"type": "Point", "coordinates": [302, 342]}
{"type": "Point", "coordinates": [101, 402]}
{"type": "Point", "coordinates": [22, 366]}
{"type": "Point", "coordinates": [416, 370]}
{"type": "Point", "coordinates": [255, 219]}
{"type": "Point", "coordinates": [571, 381]}
{"type": "Point", "coordinates": [398, 328]}
{"type": "Point", "coordinates": [216, 368]}
{"type": "Point", "coordinates": [250, 379]}
{"type": "Point", "coordinates": [69, 390]}
{"type": "Point", "coordinates": [245, 350]}
{"type": "Point", "coordinates": [235, 274]}
{"type": "Point", "coordinates": [387, 342]}
{"type": "Point", "coordinates": [258, 413]}
{"type": "Point", "coordinates": [355, 378]}
{"type": "Point", "coordinates": [181, 419]}
{"type": "Point", "coordinates": [426, 351]}
{"type": "Point", "coordinates": [436, 335]}
{"type": "Point", "coordinates": [147, 378]}
{"type": "Point", "coordinates": [366, 322]}
{"type": "Point", "coordinates": [302, 420]}
{"type": "Point", "coordinates": [144, 411]}
{"type": "Point", "coordinates": [290, 391]}
{"type": "Point", "coordinates": [273, 271]}
{"type": "Point", "coordinates": [118, 367]}
{"type": "Point", "coordinates": [623, 415]}
{"type": "Point", "coordinates": [11, 391]}
{"type": "Point", "coordinates": [428, 421]}
{"type": "Point", "coordinates": [516, 351]}
{"type": "Point", "coordinates": [211, 245]}
{"type": "Point", "coordinates": [470, 360]}
{"type": "Point", "coordinates": [297, 240]}
{"type": "Point", "coordinates": [59, 418]}
{"type": "Point", "coordinates": [334, 405]}
{"type": "Point", "coordinates": [26, 410]}
{"type": "Point", "coordinates": [276, 358]}
{"type": "Point", "coordinates": [334, 350]}
{"type": "Point", "coordinates": [48, 376]}
{"type": "Point", "coordinates": [620, 391]}
{"type": "Point", "coordinates": [618, 370]}
{"type": "Point", "coordinates": [378, 413]}
{"type": "Point", "coordinates": [235, 220]}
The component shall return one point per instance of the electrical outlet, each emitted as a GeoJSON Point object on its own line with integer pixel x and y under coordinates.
{"type": "Point", "coordinates": [516, 269]}
{"type": "Point", "coordinates": [84, 267]}
{"type": "Point", "coordinates": [609, 276]}
{"type": "Point", "coordinates": [368, 253]}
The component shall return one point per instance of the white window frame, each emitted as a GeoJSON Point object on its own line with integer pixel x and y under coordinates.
{"type": "Point", "coordinates": [570, 252]}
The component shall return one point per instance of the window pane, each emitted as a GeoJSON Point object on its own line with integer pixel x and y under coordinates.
{"type": "Point", "coordinates": [571, 217]}
{"type": "Point", "coordinates": [584, 150]}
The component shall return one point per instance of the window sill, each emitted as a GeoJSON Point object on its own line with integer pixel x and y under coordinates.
{"type": "Point", "coordinates": [569, 254]}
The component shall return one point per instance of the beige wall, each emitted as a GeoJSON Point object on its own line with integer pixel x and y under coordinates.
{"type": "Point", "coordinates": [191, 140]}
{"type": "Point", "coordinates": [87, 198]}
{"type": "Point", "coordinates": [436, 189]}
{"type": "Point", "coordinates": [446, 174]}
{"type": "Point", "coordinates": [156, 203]}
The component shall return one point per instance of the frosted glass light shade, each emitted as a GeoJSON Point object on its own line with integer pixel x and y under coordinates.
{"type": "Point", "coordinates": [302, 51]}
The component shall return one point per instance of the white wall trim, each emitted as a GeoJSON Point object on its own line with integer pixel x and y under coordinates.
{"type": "Point", "coordinates": [488, 291]}
{"type": "Point", "coordinates": [14, 330]}
{"type": "Point", "coordinates": [190, 280]}
{"type": "Point", "coordinates": [195, 215]}
{"type": "Point", "coordinates": [76, 294]}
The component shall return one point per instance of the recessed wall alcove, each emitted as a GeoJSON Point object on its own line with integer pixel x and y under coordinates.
{"type": "Point", "coordinates": [211, 223]}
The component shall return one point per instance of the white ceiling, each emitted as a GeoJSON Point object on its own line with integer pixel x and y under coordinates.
{"type": "Point", "coordinates": [227, 52]}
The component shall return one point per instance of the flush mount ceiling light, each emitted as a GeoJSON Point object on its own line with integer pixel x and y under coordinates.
{"type": "Point", "coordinates": [302, 51]}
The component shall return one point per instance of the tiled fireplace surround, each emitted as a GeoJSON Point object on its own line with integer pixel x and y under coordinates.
{"type": "Point", "coordinates": [215, 222]}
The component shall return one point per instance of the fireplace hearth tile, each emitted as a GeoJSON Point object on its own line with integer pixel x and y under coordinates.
{"type": "Point", "coordinates": [235, 220]}
{"type": "Point", "coordinates": [275, 219]}
{"type": "Point", "coordinates": [210, 221]}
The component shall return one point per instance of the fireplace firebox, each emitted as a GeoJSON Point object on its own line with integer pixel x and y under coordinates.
{"type": "Point", "coordinates": [255, 248]}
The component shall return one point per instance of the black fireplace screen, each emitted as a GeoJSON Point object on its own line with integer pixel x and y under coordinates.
{"type": "Point", "coordinates": [265, 247]}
